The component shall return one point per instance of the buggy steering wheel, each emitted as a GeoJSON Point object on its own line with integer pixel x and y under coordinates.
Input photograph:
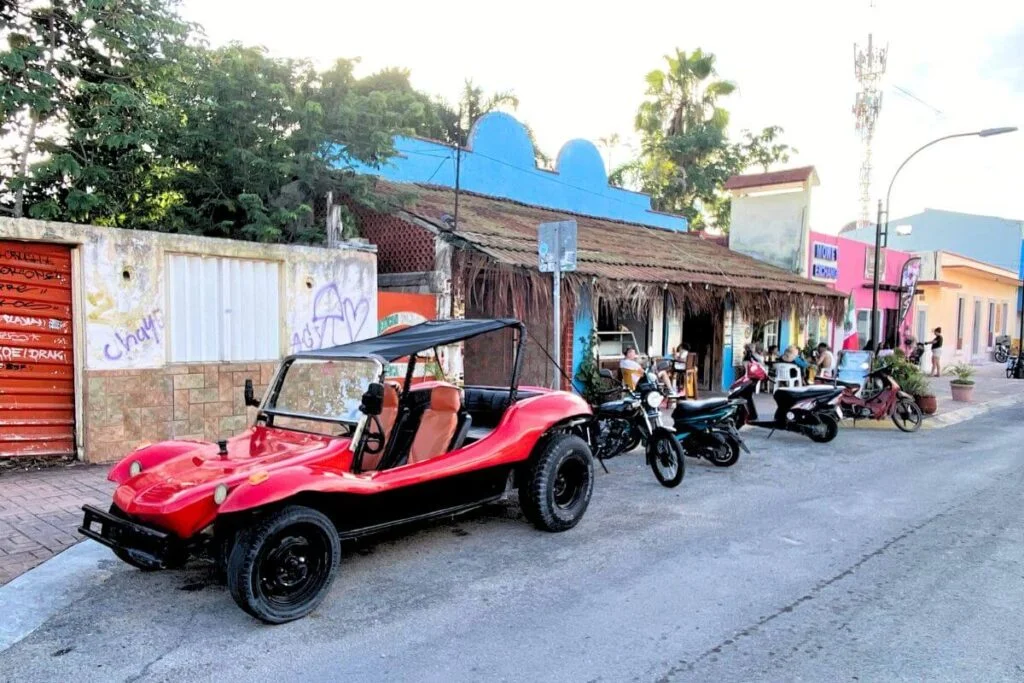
{"type": "Point", "coordinates": [373, 437]}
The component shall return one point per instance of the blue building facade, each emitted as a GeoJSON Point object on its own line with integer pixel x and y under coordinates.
{"type": "Point", "coordinates": [499, 161]}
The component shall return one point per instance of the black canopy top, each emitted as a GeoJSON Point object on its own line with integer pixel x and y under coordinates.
{"type": "Point", "coordinates": [410, 340]}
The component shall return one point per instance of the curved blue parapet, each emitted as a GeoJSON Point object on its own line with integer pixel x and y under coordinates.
{"type": "Point", "coordinates": [499, 161]}
{"type": "Point", "coordinates": [502, 138]}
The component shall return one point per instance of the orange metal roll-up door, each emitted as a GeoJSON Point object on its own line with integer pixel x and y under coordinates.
{"type": "Point", "coordinates": [37, 386]}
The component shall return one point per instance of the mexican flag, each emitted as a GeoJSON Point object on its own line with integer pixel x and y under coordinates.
{"type": "Point", "coordinates": [850, 325]}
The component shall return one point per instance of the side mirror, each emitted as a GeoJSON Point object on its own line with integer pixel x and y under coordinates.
{"type": "Point", "coordinates": [606, 373]}
{"type": "Point", "coordinates": [250, 395]}
{"type": "Point", "coordinates": [373, 399]}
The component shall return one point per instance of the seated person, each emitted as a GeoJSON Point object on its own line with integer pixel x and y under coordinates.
{"type": "Point", "coordinates": [792, 355]}
{"type": "Point", "coordinates": [630, 368]}
{"type": "Point", "coordinates": [668, 375]}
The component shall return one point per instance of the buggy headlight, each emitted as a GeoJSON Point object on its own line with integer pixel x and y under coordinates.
{"type": "Point", "coordinates": [220, 493]}
{"type": "Point", "coordinates": [134, 468]}
{"type": "Point", "coordinates": [654, 399]}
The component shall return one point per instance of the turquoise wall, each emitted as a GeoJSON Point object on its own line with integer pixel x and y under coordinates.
{"type": "Point", "coordinates": [583, 326]}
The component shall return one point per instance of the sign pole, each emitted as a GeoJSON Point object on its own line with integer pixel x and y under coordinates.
{"type": "Point", "coordinates": [556, 345]}
{"type": "Point", "coordinates": [556, 252]}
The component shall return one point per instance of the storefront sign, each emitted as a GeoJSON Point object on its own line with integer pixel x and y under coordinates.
{"type": "Point", "coordinates": [398, 310]}
{"type": "Point", "coordinates": [825, 262]}
{"type": "Point", "coordinates": [908, 283]}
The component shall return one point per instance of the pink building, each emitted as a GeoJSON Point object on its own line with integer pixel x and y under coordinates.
{"type": "Point", "coordinates": [848, 265]}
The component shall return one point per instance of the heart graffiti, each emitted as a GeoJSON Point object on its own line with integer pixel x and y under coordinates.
{"type": "Point", "coordinates": [335, 320]}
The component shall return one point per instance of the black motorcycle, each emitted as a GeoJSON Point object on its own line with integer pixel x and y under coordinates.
{"type": "Point", "coordinates": [622, 424]}
{"type": "Point", "coordinates": [810, 410]}
{"type": "Point", "coordinates": [1002, 352]}
{"type": "Point", "coordinates": [706, 429]}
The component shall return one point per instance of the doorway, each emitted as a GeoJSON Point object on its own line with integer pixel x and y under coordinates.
{"type": "Point", "coordinates": [699, 335]}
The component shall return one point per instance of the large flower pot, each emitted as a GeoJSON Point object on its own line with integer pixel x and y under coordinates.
{"type": "Point", "coordinates": [927, 404]}
{"type": "Point", "coordinates": [962, 392]}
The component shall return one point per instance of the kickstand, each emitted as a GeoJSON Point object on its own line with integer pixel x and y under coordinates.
{"type": "Point", "coordinates": [770, 434]}
{"type": "Point", "coordinates": [601, 460]}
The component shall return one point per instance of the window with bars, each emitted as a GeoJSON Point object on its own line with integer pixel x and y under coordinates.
{"type": "Point", "coordinates": [991, 324]}
{"type": "Point", "coordinates": [771, 334]}
{"type": "Point", "coordinates": [960, 304]}
{"type": "Point", "coordinates": [222, 309]}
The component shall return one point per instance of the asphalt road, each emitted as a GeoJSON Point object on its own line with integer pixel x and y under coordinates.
{"type": "Point", "coordinates": [884, 556]}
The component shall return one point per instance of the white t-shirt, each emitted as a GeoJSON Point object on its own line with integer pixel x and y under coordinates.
{"type": "Point", "coordinates": [629, 364]}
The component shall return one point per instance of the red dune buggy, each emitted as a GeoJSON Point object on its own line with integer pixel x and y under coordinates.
{"type": "Point", "coordinates": [338, 452]}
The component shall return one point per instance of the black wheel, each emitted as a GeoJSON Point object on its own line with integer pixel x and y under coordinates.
{"type": "Point", "coordinates": [666, 456]}
{"type": "Point", "coordinates": [557, 483]}
{"type": "Point", "coordinates": [282, 566]}
{"type": "Point", "coordinates": [726, 458]}
{"type": "Point", "coordinates": [826, 429]}
{"type": "Point", "coordinates": [907, 416]}
{"type": "Point", "coordinates": [173, 561]}
{"type": "Point", "coordinates": [1001, 356]}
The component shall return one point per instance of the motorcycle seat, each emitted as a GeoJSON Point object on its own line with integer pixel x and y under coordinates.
{"type": "Point", "coordinates": [686, 408]}
{"type": "Point", "coordinates": [803, 393]}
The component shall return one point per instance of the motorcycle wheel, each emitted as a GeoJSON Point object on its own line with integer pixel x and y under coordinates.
{"type": "Point", "coordinates": [1001, 356]}
{"type": "Point", "coordinates": [729, 457]}
{"type": "Point", "coordinates": [826, 431]}
{"type": "Point", "coordinates": [666, 456]}
{"type": "Point", "coordinates": [907, 416]}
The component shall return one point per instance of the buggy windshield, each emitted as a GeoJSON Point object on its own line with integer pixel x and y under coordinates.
{"type": "Point", "coordinates": [317, 392]}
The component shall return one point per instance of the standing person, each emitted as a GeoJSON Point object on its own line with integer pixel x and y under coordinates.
{"type": "Point", "coordinates": [936, 345]}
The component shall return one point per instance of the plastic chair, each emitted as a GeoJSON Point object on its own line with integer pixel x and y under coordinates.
{"type": "Point", "coordinates": [631, 377]}
{"type": "Point", "coordinates": [788, 375]}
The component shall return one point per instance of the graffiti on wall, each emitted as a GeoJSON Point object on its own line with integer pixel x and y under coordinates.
{"type": "Point", "coordinates": [335, 319]}
{"type": "Point", "coordinates": [119, 337]}
{"type": "Point", "coordinates": [127, 340]}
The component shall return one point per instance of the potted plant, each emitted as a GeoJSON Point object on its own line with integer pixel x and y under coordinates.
{"type": "Point", "coordinates": [962, 384]}
{"type": "Point", "coordinates": [918, 386]}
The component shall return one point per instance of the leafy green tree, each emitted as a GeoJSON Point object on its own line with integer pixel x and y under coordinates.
{"type": "Point", "coordinates": [67, 57]}
{"type": "Point", "coordinates": [686, 154]}
{"type": "Point", "coordinates": [456, 121]}
{"type": "Point", "coordinates": [120, 116]}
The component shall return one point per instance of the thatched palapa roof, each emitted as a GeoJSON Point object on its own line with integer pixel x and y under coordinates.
{"type": "Point", "coordinates": [628, 264]}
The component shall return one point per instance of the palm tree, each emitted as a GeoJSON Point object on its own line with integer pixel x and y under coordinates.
{"type": "Point", "coordinates": [682, 98]}
{"type": "Point", "coordinates": [473, 104]}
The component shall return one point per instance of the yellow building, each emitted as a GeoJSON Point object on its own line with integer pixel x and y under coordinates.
{"type": "Point", "coordinates": [973, 302]}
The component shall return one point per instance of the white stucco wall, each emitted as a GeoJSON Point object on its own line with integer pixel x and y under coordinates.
{"type": "Point", "coordinates": [773, 228]}
{"type": "Point", "coordinates": [327, 296]}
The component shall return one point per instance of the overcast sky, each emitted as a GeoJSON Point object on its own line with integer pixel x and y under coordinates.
{"type": "Point", "coordinates": [578, 70]}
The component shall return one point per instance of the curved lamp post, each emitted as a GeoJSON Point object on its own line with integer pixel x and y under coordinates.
{"type": "Point", "coordinates": [881, 231]}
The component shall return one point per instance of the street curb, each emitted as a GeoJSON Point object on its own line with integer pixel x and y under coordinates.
{"type": "Point", "coordinates": [29, 600]}
{"type": "Point", "coordinates": [941, 420]}
{"type": "Point", "coordinates": [971, 411]}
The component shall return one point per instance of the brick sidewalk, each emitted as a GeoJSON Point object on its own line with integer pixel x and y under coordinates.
{"type": "Point", "coordinates": [40, 512]}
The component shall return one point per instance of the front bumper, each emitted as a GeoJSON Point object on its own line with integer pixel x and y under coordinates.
{"type": "Point", "coordinates": [145, 545]}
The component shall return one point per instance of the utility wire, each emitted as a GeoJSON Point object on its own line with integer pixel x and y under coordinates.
{"type": "Point", "coordinates": [917, 99]}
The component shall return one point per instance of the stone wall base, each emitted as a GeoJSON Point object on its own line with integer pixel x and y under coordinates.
{"type": "Point", "coordinates": [125, 409]}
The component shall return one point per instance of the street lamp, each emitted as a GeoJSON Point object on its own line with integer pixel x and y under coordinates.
{"type": "Point", "coordinates": [881, 231]}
